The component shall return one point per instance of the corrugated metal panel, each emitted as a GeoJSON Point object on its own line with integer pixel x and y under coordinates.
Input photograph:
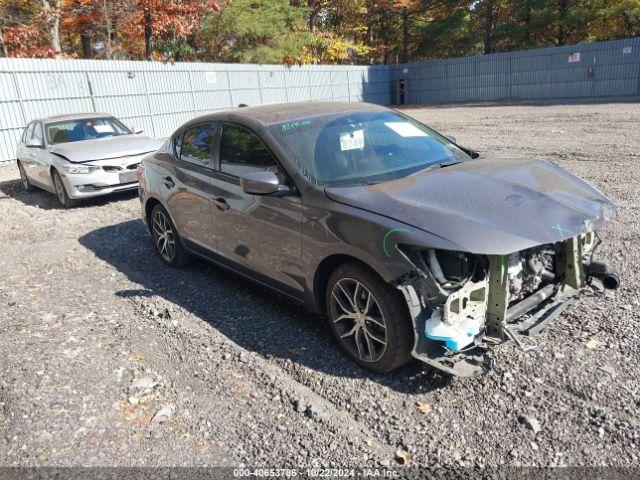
{"type": "Point", "coordinates": [601, 69]}
{"type": "Point", "coordinates": [159, 97]}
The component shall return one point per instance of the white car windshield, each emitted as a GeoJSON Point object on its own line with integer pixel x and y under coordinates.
{"type": "Point", "coordinates": [85, 129]}
{"type": "Point", "coordinates": [364, 147]}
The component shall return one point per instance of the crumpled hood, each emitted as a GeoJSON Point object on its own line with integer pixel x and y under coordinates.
{"type": "Point", "coordinates": [488, 206]}
{"type": "Point", "coordinates": [107, 147]}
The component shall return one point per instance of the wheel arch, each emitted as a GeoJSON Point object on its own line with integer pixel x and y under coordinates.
{"type": "Point", "coordinates": [324, 270]}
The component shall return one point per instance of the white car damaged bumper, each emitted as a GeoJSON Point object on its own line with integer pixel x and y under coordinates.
{"type": "Point", "coordinates": [90, 179]}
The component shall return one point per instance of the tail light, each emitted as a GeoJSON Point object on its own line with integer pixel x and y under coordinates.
{"type": "Point", "coordinates": [139, 171]}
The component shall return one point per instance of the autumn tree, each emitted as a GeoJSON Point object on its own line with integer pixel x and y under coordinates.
{"type": "Point", "coordinates": [257, 31]}
{"type": "Point", "coordinates": [51, 12]}
{"type": "Point", "coordinates": [22, 32]}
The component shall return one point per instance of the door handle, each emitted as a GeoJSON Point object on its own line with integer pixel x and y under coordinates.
{"type": "Point", "coordinates": [168, 182]}
{"type": "Point", "coordinates": [221, 203]}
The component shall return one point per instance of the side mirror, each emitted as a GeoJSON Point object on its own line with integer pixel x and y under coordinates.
{"type": "Point", "coordinates": [262, 183]}
{"type": "Point", "coordinates": [137, 130]}
{"type": "Point", "coordinates": [34, 144]}
{"type": "Point", "coordinates": [452, 139]}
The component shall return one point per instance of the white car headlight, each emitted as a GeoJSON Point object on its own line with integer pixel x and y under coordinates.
{"type": "Point", "coordinates": [80, 168]}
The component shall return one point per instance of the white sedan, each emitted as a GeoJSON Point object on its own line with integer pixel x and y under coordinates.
{"type": "Point", "coordinates": [80, 156]}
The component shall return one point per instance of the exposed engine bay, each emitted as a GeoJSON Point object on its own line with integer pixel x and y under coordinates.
{"type": "Point", "coordinates": [464, 304]}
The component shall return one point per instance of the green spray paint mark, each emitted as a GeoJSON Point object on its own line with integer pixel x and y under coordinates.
{"type": "Point", "coordinates": [285, 127]}
{"type": "Point", "coordinates": [387, 235]}
{"type": "Point", "coordinates": [562, 231]}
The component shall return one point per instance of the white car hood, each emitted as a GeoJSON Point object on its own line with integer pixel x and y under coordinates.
{"type": "Point", "coordinates": [105, 148]}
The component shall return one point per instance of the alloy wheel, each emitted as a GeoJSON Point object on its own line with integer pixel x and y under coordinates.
{"type": "Point", "coordinates": [358, 320]}
{"type": "Point", "coordinates": [23, 177]}
{"type": "Point", "coordinates": [59, 188]}
{"type": "Point", "coordinates": [164, 236]}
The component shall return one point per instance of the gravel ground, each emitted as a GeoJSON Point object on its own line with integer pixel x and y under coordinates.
{"type": "Point", "coordinates": [111, 358]}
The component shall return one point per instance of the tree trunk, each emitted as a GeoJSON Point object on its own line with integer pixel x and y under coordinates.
{"type": "Point", "coordinates": [51, 9]}
{"type": "Point", "coordinates": [313, 20]}
{"type": "Point", "coordinates": [108, 29]}
{"type": "Point", "coordinates": [527, 24]}
{"type": "Point", "coordinates": [87, 50]}
{"type": "Point", "coordinates": [489, 24]}
{"type": "Point", "coordinates": [562, 18]}
{"type": "Point", "coordinates": [147, 33]}
{"type": "Point", "coordinates": [405, 36]}
{"type": "Point", "coordinates": [5, 53]}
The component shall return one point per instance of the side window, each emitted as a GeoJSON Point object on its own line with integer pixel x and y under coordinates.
{"type": "Point", "coordinates": [177, 145]}
{"type": "Point", "coordinates": [28, 132]}
{"type": "Point", "coordinates": [242, 152]}
{"type": "Point", "coordinates": [37, 133]}
{"type": "Point", "coordinates": [196, 144]}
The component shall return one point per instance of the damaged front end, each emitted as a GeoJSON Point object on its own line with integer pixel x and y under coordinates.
{"type": "Point", "coordinates": [463, 304]}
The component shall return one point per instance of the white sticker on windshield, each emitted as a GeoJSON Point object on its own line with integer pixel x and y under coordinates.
{"type": "Point", "coordinates": [406, 129]}
{"type": "Point", "coordinates": [106, 128]}
{"type": "Point", "coordinates": [352, 140]}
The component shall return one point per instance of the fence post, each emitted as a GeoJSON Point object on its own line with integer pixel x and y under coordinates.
{"type": "Point", "coordinates": [260, 87]}
{"type": "Point", "coordinates": [93, 100]}
{"type": "Point", "coordinates": [230, 89]}
{"type": "Point", "coordinates": [19, 98]}
{"type": "Point", "coordinates": [193, 98]}
{"type": "Point", "coordinates": [146, 91]}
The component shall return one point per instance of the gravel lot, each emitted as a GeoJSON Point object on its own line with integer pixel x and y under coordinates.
{"type": "Point", "coordinates": [111, 358]}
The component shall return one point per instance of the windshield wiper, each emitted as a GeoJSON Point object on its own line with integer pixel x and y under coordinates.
{"type": "Point", "coordinates": [440, 165]}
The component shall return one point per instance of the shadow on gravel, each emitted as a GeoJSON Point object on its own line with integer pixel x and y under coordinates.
{"type": "Point", "coordinates": [250, 315]}
{"type": "Point", "coordinates": [48, 201]}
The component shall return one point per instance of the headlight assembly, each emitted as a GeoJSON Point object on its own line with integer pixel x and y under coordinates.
{"type": "Point", "coordinates": [80, 169]}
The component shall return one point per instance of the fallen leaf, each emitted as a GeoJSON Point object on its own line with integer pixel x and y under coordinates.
{"type": "Point", "coordinates": [423, 407]}
{"type": "Point", "coordinates": [592, 344]}
{"type": "Point", "coordinates": [403, 457]}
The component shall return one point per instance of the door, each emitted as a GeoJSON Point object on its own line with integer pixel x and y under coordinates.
{"type": "Point", "coordinates": [26, 154]}
{"type": "Point", "coordinates": [261, 233]}
{"type": "Point", "coordinates": [40, 157]}
{"type": "Point", "coordinates": [184, 181]}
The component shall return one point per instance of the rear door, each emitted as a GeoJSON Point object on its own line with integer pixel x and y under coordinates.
{"type": "Point", "coordinates": [261, 233]}
{"type": "Point", "coordinates": [26, 154]}
{"type": "Point", "coordinates": [40, 157]}
{"type": "Point", "coordinates": [184, 181]}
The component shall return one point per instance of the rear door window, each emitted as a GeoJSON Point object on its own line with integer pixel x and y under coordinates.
{"type": "Point", "coordinates": [37, 135]}
{"type": "Point", "coordinates": [28, 132]}
{"type": "Point", "coordinates": [196, 144]}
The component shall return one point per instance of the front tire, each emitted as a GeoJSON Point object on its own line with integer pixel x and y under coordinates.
{"type": "Point", "coordinates": [61, 191]}
{"type": "Point", "coordinates": [166, 239]}
{"type": "Point", "coordinates": [26, 183]}
{"type": "Point", "coordinates": [369, 318]}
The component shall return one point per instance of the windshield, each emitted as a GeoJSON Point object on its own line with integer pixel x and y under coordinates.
{"type": "Point", "coordinates": [85, 129]}
{"type": "Point", "coordinates": [363, 147]}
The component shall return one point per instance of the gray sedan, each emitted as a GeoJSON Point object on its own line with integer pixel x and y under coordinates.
{"type": "Point", "coordinates": [412, 245]}
{"type": "Point", "coordinates": [81, 156]}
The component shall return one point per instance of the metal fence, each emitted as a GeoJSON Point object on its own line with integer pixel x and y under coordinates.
{"type": "Point", "coordinates": [159, 97]}
{"type": "Point", "coordinates": [592, 70]}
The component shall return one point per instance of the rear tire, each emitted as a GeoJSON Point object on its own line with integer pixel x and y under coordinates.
{"type": "Point", "coordinates": [369, 318]}
{"type": "Point", "coordinates": [61, 191]}
{"type": "Point", "coordinates": [166, 240]}
{"type": "Point", "coordinates": [26, 183]}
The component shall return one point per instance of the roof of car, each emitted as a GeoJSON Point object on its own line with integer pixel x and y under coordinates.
{"type": "Point", "coordinates": [73, 116]}
{"type": "Point", "coordinates": [288, 112]}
